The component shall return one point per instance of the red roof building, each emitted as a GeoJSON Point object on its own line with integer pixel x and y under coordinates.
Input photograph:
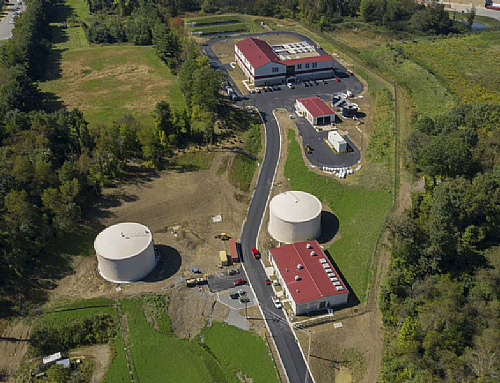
{"type": "Point", "coordinates": [308, 278]}
{"type": "Point", "coordinates": [315, 110]}
{"type": "Point", "coordinates": [262, 65]}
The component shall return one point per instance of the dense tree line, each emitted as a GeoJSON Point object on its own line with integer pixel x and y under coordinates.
{"type": "Point", "coordinates": [137, 23]}
{"type": "Point", "coordinates": [440, 302]}
{"type": "Point", "coordinates": [53, 164]}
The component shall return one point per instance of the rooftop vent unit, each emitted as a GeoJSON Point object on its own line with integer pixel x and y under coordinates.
{"type": "Point", "coordinates": [339, 288]}
{"type": "Point", "coordinates": [336, 283]}
{"type": "Point", "coordinates": [322, 260]}
{"type": "Point", "coordinates": [299, 266]}
{"type": "Point", "coordinates": [325, 265]}
{"type": "Point", "coordinates": [331, 275]}
{"type": "Point", "coordinates": [309, 246]}
{"type": "Point", "coordinates": [329, 270]}
{"type": "Point", "coordinates": [297, 278]}
{"type": "Point", "coordinates": [313, 253]}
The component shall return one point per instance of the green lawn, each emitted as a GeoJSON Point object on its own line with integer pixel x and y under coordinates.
{"type": "Point", "coordinates": [118, 369]}
{"type": "Point", "coordinates": [360, 211]}
{"type": "Point", "coordinates": [158, 356]}
{"type": "Point", "coordinates": [251, 358]}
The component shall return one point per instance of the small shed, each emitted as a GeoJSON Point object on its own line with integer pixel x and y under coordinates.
{"type": "Point", "coordinates": [233, 251]}
{"type": "Point", "coordinates": [315, 110]}
{"type": "Point", "coordinates": [51, 359]}
{"type": "Point", "coordinates": [337, 141]}
{"type": "Point", "coordinates": [224, 259]}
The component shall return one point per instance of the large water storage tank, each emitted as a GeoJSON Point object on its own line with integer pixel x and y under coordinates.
{"type": "Point", "coordinates": [125, 252]}
{"type": "Point", "coordinates": [295, 216]}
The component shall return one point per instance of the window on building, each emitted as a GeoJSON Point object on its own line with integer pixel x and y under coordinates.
{"type": "Point", "coordinates": [307, 66]}
{"type": "Point", "coordinates": [276, 70]}
{"type": "Point", "coordinates": [299, 66]}
{"type": "Point", "coordinates": [315, 65]}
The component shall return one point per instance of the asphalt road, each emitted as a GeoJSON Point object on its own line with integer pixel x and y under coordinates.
{"type": "Point", "coordinates": [6, 26]}
{"type": "Point", "coordinates": [289, 351]}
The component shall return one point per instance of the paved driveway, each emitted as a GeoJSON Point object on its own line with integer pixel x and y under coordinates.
{"type": "Point", "coordinates": [6, 26]}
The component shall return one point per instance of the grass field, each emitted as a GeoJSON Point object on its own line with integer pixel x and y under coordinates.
{"type": "Point", "coordinates": [106, 82]}
{"type": "Point", "coordinates": [360, 211]}
{"type": "Point", "coordinates": [158, 356]}
{"type": "Point", "coordinates": [118, 369]}
{"type": "Point", "coordinates": [469, 64]}
{"type": "Point", "coordinates": [60, 315]}
{"type": "Point", "coordinates": [252, 360]}
{"type": "Point", "coordinates": [214, 24]}
{"type": "Point", "coordinates": [428, 95]}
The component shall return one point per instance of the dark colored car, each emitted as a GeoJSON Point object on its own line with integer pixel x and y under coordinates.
{"type": "Point", "coordinates": [255, 253]}
{"type": "Point", "coordinates": [268, 281]}
{"type": "Point", "coordinates": [239, 282]}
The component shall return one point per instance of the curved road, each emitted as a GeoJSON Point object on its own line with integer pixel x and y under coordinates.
{"type": "Point", "coordinates": [287, 347]}
{"type": "Point", "coordinates": [290, 354]}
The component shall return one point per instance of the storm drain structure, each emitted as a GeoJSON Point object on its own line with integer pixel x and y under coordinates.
{"type": "Point", "coordinates": [125, 252]}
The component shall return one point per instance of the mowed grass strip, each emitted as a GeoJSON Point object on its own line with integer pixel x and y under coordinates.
{"type": "Point", "coordinates": [106, 82]}
{"type": "Point", "coordinates": [159, 357]}
{"type": "Point", "coordinates": [118, 369]}
{"type": "Point", "coordinates": [360, 211]}
{"type": "Point", "coordinates": [221, 28]}
{"type": "Point", "coordinates": [242, 352]}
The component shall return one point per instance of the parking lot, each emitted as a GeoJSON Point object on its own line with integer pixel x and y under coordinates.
{"type": "Point", "coordinates": [13, 8]}
{"type": "Point", "coordinates": [285, 97]}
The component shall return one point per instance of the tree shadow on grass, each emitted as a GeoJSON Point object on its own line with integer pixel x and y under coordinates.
{"type": "Point", "coordinates": [169, 263]}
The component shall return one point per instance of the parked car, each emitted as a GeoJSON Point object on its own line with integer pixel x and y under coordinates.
{"type": "Point", "coordinates": [239, 282]}
{"type": "Point", "coordinates": [306, 84]}
{"type": "Point", "coordinates": [234, 295]}
{"type": "Point", "coordinates": [269, 89]}
{"type": "Point", "coordinates": [244, 300]}
{"type": "Point", "coordinates": [337, 79]}
{"type": "Point", "coordinates": [325, 82]}
{"type": "Point", "coordinates": [255, 253]}
{"type": "Point", "coordinates": [290, 85]}
{"type": "Point", "coordinates": [315, 83]}
{"type": "Point", "coordinates": [232, 272]}
{"type": "Point", "coordinates": [277, 302]}
{"type": "Point", "coordinates": [268, 281]}
{"type": "Point", "coordinates": [264, 89]}
{"type": "Point", "coordinates": [257, 90]}
{"type": "Point", "coordinates": [308, 149]}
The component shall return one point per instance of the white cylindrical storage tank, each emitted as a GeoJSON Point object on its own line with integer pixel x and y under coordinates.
{"type": "Point", "coordinates": [295, 216]}
{"type": "Point", "coordinates": [125, 252]}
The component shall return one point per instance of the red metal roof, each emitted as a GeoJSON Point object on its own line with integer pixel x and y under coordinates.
{"type": "Point", "coordinates": [259, 53]}
{"type": "Point", "coordinates": [234, 250]}
{"type": "Point", "coordinates": [316, 106]}
{"type": "Point", "coordinates": [314, 282]}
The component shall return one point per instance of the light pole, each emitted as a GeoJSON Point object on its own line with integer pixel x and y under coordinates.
{"type": "Point", "coordinates": [361, 133]}
{"type": "Point", "coordinates": [309, 334]}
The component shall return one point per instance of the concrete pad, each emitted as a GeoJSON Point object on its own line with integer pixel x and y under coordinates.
{"type": "Point", "coordinates": [237, 320]}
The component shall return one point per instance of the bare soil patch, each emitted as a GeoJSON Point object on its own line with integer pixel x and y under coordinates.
{"type": "Point", "coordinates": [99, 356]}
{"type": "Point", "coordinates": [13, 347]}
